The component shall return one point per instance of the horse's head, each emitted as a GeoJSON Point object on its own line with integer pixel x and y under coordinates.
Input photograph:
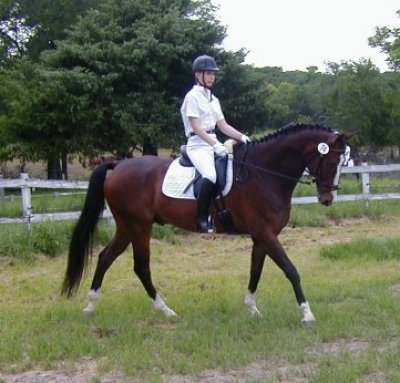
{"type": "Point", "coordinates": [324, 162]}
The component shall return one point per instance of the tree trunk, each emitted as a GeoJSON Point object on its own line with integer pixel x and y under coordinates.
{"type": "Point", "coordinates": [54, 168]}
{"type": "Point", "coordinates": [64, 166]}
{"type": "Point", "coordinates": [149, 147]}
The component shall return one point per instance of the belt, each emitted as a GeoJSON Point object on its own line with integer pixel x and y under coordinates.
{"type": "Point", "coordinates": [211, 131]}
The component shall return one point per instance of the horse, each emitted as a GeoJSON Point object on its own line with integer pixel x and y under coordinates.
{"type": "Point", "coordinates": [265, 171]}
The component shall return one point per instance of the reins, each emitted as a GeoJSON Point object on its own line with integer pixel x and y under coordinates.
{"type": "Point", "coordinates": [243, 163]}
{"type": "Point", "coordinates": [272, 172]}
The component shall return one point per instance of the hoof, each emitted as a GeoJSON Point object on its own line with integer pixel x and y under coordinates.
{"type": "Point", "coordinates": [170, 313]}
{"type": "Point", "coordinates": [87, 312]}
{"type": "Point", "coordinates": [254, 312]}
{"type": "Point", "coordinates": [309, 323]}
{"type": "Point", "coordinates": [250, 303]}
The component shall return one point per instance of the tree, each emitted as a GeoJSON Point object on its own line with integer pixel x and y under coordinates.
{"type": "Point", "coordinates": [388, 40]}
{"type": "Point", "coordinates": [357, 102]}
{"type": "Point", "coordinates": [115, 82]}
{"type": "Point", "coordinates": [391, 83]}
{"type": "Point", "coordinates": [282, 103]}
{"type": "Point", "coordinates": [28, 27]}
{"type": "Point", "coordinates": [240, 89]}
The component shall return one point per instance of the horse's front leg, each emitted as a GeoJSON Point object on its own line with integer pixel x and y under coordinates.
{"type": "Point", "coordinates": [279, 256]}
{"type": "Point", "coordinates": [271, 246]}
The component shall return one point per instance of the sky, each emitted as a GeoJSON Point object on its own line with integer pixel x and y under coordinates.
{"type": "Point", "coordinates": [296, 34]}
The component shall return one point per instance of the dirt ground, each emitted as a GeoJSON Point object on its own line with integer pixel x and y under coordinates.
{"type": "Point", "coordinates": [263, 370]}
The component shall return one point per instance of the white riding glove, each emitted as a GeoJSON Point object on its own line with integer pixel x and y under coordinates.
{"type": "Point", "coordinates": [220, 149]}
{"type": "Point", "coordinates": [245, 139]}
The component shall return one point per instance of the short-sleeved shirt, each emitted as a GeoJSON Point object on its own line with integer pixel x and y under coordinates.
{"type": "Point", "coordinates": [199, 103]}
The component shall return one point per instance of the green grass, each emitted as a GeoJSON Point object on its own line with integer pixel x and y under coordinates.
{"type": "Point", "coordinates": [21, 242]}
{"type": "Point", "coordinates": [204, 279]}
{"type": "Point", "coordinates": [362, 249]}
{"type": "Point", "coordinates": [315, 215]}
{"type": "Point", "coordinates": [42, 202]}
{"type": "Point", "coordinates": [350, 185]}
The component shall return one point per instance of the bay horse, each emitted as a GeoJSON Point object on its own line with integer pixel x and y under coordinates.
{"type": "Point", "coordinates": [266, 172]}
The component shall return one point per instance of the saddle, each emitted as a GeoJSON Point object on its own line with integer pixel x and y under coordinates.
{"type": "Point", "coordinates": [220, 167]}
{"type": "Point", "coordinates": [182, 180]}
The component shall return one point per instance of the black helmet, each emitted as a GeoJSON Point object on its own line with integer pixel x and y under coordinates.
{"type": "Point", "coordinates": [204, 63]}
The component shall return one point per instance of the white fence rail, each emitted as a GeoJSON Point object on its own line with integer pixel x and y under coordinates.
{"type": "Point", "coordinates": [25, 184]}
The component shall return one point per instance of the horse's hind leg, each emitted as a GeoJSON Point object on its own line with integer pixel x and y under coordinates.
{"type": "Point", "coordinates": [107, 256]}
{"type": "Point", "coordinates": [258, 255]}
{"type": "Point", "coordinates": [141, 256]}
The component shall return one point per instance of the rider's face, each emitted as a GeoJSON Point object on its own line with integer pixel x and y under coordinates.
{"type": "Point", "coordinates": [206, 78]}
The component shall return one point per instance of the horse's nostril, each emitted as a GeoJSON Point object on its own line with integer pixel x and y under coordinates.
{"type": "Point", "coordinates": [324, 201]}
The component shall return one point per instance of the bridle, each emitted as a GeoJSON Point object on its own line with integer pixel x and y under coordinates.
{"type": "Point", "coordinates": [243, 165]}
{"type": "Point", "coordinates": [318, 172]}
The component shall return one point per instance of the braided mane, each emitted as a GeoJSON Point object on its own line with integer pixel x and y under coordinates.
{"type": "Point", "coordinates": [291, 129]}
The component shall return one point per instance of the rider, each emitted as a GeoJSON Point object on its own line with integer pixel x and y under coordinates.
{"type": "Point", "coordinates": [201, 111]}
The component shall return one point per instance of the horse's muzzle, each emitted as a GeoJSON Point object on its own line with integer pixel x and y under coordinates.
{"type": "Point", "coordinates": [325, 199]}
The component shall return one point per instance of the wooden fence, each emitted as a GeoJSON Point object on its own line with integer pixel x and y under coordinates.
{"type": "Point", "coordinates": [25, 184]}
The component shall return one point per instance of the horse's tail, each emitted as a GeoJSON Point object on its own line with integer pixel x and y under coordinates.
{"type": "Point", "coordinates": [82, 237]}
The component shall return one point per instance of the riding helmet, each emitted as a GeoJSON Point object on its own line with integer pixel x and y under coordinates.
{"type": "Point", "coordinates": [205, 63]}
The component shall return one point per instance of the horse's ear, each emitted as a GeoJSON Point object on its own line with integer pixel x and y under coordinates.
{"type": "Point", "coordinates": [349, 136]}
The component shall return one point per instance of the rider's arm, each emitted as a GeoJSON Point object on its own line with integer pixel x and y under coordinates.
{"type": "Point", "coordinates": [229, 130]}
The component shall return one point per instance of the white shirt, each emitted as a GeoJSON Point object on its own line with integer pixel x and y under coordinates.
{"type": "Point", "coordinates": [197, 103]}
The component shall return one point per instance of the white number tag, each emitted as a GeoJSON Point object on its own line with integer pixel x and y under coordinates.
{"type": "Point", "coordinates": [323, 148]}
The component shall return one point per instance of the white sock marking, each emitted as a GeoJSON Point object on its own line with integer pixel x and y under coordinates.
{"type": "Point", "coordinates": [93, 295]}
{"type": "Point", "coordinates": [250, 301]}
{"type": "Point", "coordinates": [160, 305]}
{"type": "Point", "coordinates": [308, 316]}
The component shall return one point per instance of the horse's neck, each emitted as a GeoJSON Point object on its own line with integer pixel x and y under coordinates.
{"type": "Point", "coordinates": [277, 156]}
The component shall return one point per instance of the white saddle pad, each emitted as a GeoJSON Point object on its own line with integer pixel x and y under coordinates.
{"type": "Point", "coordinates": [178, 178]}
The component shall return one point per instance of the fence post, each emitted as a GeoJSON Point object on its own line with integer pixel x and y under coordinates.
{"type": "Point", "coordinates": [365, 186]}
{"type": "Point", "coordinates": [26, 198]}
{"type": "Point", "coordinates": [2, 191]}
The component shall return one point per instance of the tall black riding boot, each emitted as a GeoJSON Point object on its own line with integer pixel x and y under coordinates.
{"type": "Point", "coordinates": [203, 204]}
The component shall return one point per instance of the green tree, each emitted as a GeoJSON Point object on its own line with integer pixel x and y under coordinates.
{"type": "Point", "coordinates": [117, 79]}
{"type": "Point", "coordinates": [391, 84]}
{"type": "Point", "coordinates": [282, 103]}
{"type": "Point", "coordinates": [28, 27]}
{"type": "Point", "coordinates": [240, 89]}
{"type": "Point", "coordinates": [388, 40]}
{"type": "Point", "coordinates": [357, 102]}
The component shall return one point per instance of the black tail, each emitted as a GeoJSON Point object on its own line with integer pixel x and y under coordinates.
{"type": "Point", "coordinates": [81, 241]}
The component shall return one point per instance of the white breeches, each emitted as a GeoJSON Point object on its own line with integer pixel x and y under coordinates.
{"type": "Point", "coordinates": [202, 156]}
